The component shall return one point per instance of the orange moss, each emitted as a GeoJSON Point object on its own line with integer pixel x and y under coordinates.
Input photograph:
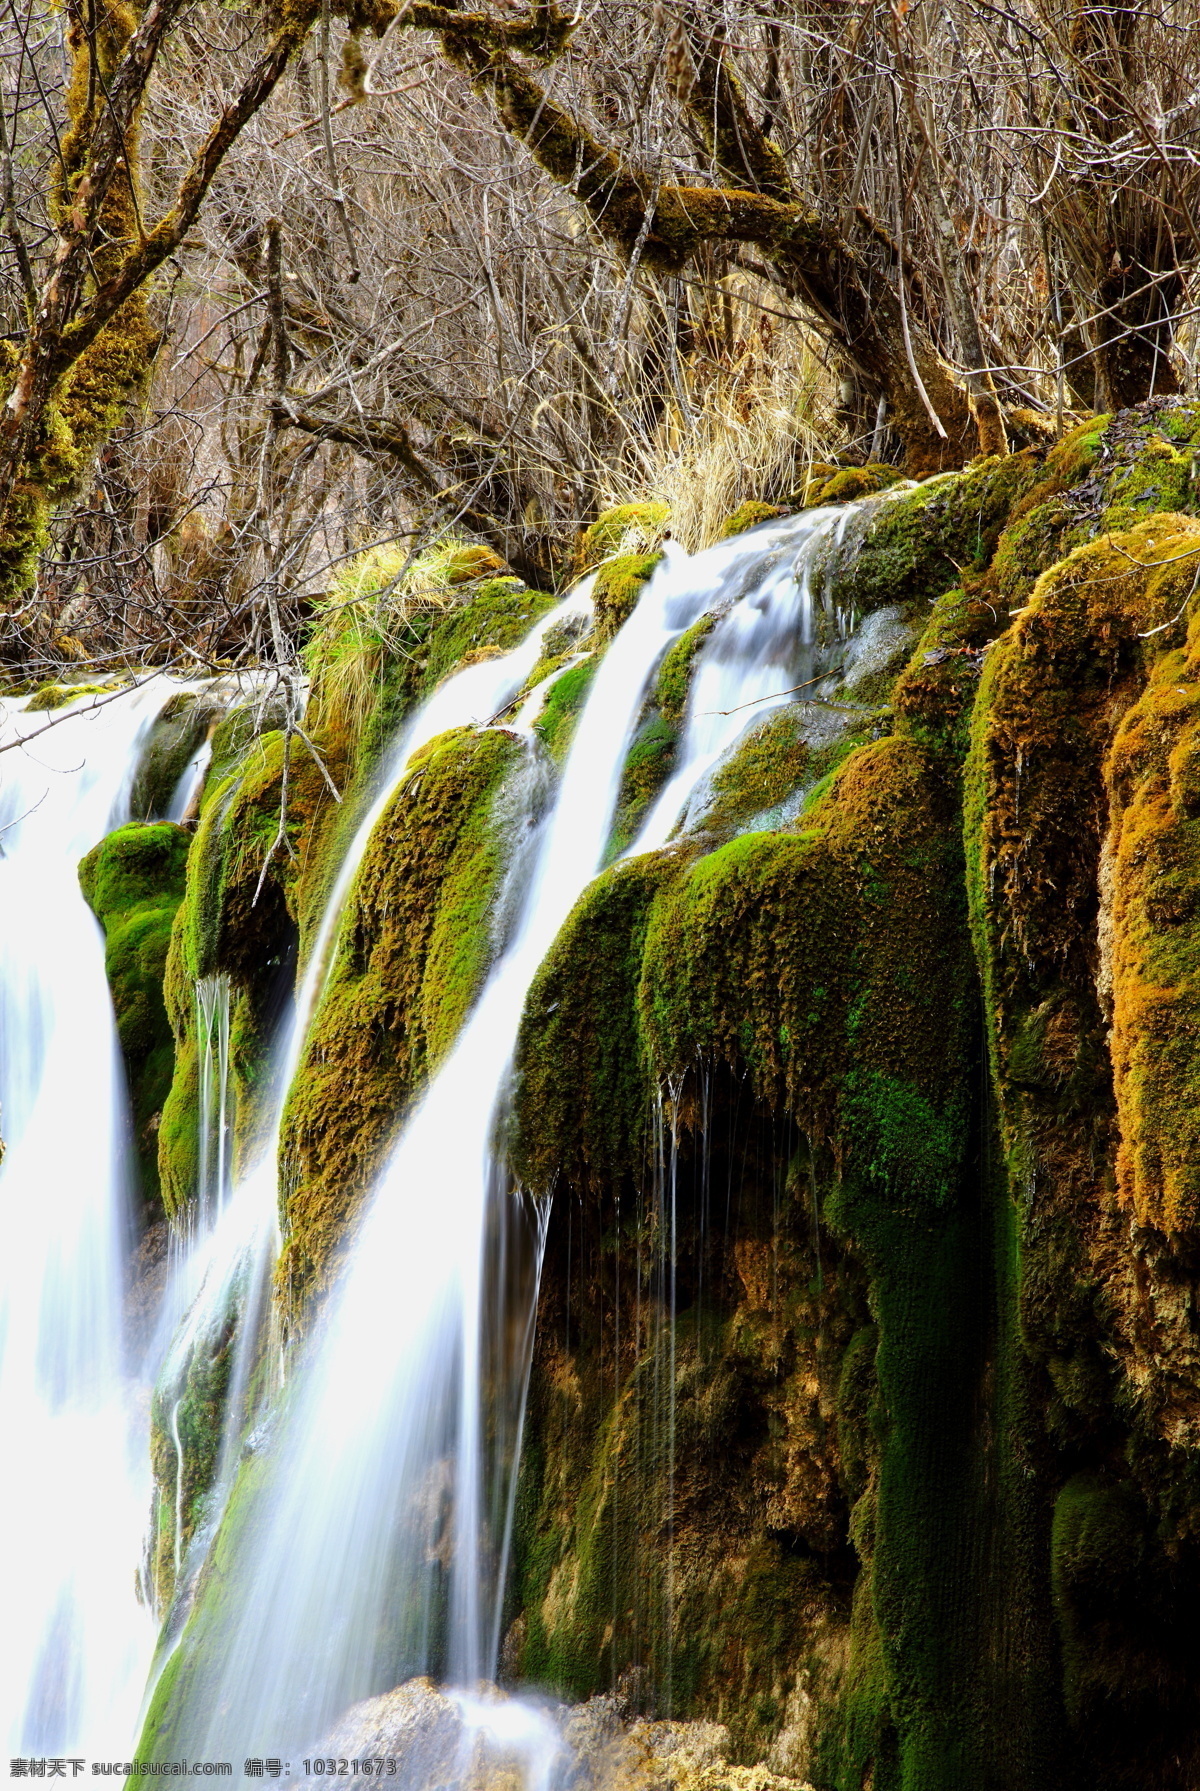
{"type": "Point", "coordinates": [1153, 855]}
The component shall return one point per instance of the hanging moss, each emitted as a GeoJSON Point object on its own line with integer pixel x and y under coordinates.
{"type": "Point", "coordinates": [413, 954]}
{"type": "Point", "coordinates": [1153, 851]}
{"type": "Point", "coordinates": [134, 882]}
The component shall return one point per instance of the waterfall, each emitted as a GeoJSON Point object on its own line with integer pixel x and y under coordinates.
{"type": "Point", "coordinates": [377, 1551]}
{"type": "Point", "coordinates": [76, 1642]}
{"type": "Point", "coordinates": [360, 1515]}
{"type": "Point", "coordinates": [760, 650]}
{"type": "Point", "coordinates": [216, 1117]}
{"type": "Point", "coordinates": [228, 1269]}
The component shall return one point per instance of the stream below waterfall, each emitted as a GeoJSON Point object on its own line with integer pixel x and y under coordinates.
{"type": "Point", "coordinates": [360, 1519]}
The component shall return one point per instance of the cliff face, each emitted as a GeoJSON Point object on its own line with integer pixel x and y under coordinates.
{"type": "Point", "coordinates": [866, 1383]}
{"type": "Point", "coordinates": [905, 1492]}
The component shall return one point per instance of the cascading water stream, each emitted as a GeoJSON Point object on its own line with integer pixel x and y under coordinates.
{"type": "Point", "coordinates": [75, 1641]}
{"type": "Point", "coordinates": [758, 652]}
{"type": "Point", "coordinates": [380, 1518]}
{"type": "Point", "coordinates": [373, 1558]}
{"type": "Point", "coordinates": [228, 1268]}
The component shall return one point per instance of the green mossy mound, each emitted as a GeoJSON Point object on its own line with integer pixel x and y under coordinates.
{"type": "Point", "coordinates": [618, 586]}
{"type": "Point", "coordinates": [556, 724]}
{"type": "Point", "coordinates": [648, 764]}
{"type": "Point", "coordinates": [778, 951]}
{"type": "Point", "coordinates": [777, 764]}
{"type": "Point", "coordinates": [583, 1080]}
{"type": "Point", "coordinates": [917, 544]}
{"type": "Point", "coordinates": [413, 953]}
{"type": "Point", "coordinates": [748, 516]}
{"type": "Point", "coordinates": [134, 883]}
{"type": "Point", "coordinates": [629, 528]}
{"type": "Point", "coordinates": [841, 484]}
{"type": "Point", "coordinates": [246, 895]}
{"type": "Point", "coordinates": [56, 696]}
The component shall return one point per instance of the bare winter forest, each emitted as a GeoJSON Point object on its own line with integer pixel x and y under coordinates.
{"type": "Point", "coordinates": [281, 282]}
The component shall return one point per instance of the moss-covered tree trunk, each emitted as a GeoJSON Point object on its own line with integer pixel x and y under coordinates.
{"type": "Point", "coordinates": [90, 342]}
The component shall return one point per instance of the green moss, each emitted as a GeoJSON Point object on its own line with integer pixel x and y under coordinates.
{"type": "Point", "coordinates": [618, 586]}
{"type": "Point", "coordinates": [675, 673]}
{"type": "Point", "coordinates": [414, 950]}
{"type": "Point", "coordinates": [583, 1081]}
{"type": "Point", "coordinates": [625, 529]}
{"type": "Point", "coordinates": [53, 696]}
{"type": "Point", "coordinates": [773, 763]}
{"type": "Point", "coordinates": [648, 764]}
{"type": "Point", "coordinates": [842, 484]}
{"type": "Point", "coordinates": [918, 543]}
{"type": "Point", "coordinates": [748, 516]}
{"type": "Point", "coordinates": [187, 1422]}
{"type": "Point", "coordinates": [497, 617]}
{"type": "Point", "coordinates": [246, 895]}
{"type": "Point", "coordinates": [181, 728]}
{"type": "Point", "coordinates": [555, 725]}
{"type": "Point", "coordinates": [134, 882]}
{"type": "Point", "coordinates": [714, 984]}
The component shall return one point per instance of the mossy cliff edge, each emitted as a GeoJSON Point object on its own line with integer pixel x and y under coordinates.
{"type": "Point", "coordinates": [892, 1107]}
{"type": "Point", "coordinates": [865, 1406]}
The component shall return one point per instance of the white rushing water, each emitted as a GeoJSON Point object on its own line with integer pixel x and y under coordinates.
{"type": "Point", "coordinates": [228, 1265]}
{"type": "Point", "coordinates": [763, 646]}
{"type": "Point", "coordinates": [374, 1546]}
{"type": "Point", "coordinates": [379, 1545]}
{"type": "Point", "coordinates": [74, 1641]}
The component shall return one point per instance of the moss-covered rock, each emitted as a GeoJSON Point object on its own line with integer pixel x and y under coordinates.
{"type": "Point", "coordinates": [916, 544]}
{"type": "Point", "coordinates": [183, 724]}
{"type": "Point", "coordinates": [675, 674]}
{"type": "Point", "coordinates": [413, 953]}
{"type": "Point", "coordinates": [134, 883]}
{"type": "Point", "coordinates": [648, 764]}
{"type": "Point", "coordinates": [55, 696]}
{"type": "Point", "coordinates": [748, 516]}
{"type": "Point", "coordinates": [626, 529]}
{"type": "Point", "coordinates": [618, 586]}
{"type": "Point", "coordinates": [828, 484]}
{"type": "Point", "coordinates": [555, 726]}
{"type": "Point", "coordinates": [241, 919]}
